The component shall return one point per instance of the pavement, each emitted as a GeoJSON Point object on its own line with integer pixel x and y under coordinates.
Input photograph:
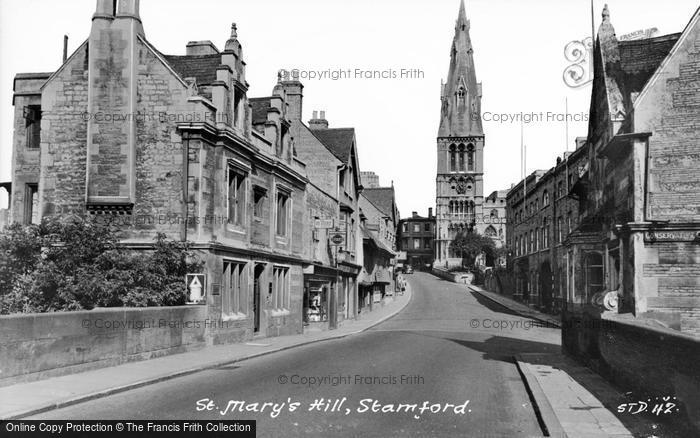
{"type": "Point", "coordinates": [25, 399]}
{"type": "Point", "coordinates": [572, 400]}
{"type": "Point", "coordinates": [520, 308]}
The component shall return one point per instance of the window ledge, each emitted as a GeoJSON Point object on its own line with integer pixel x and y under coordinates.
{"type": "Point", "coordinates": [234, 317]}
{"type": "Point", "coordinates": [235, 229]}
{"type": "Point", "coordinates": [280, 312]}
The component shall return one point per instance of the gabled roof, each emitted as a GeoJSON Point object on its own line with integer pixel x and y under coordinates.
{"type": "Point", "coordinates": [382, 198]}
{"type": "Point", "coordinates": [337, 140]}
{"type": "Point", "coordinates": [201, 67]}
{"type": "Point", "coordinates": [639, 59]}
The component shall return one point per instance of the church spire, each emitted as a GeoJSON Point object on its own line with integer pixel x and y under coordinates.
{"type": "Point", "coordinates": [461, 94]}
{"type": "Point", "coordinates": [462, 17]}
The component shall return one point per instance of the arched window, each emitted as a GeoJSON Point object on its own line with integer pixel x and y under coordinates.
{"type": "Point", "coordinates": [490, 232]}
{"type": "Point", "coordinates": [461, 158]}
{"type": "Point", "coordinates": [461, 94]}
{"type": "Point", "coordinates": [470, 157]}
{"type": "Point", "coordinates": [494, 213]}
{"type": "Point", "coordinates": [545, 232]}
{"type": "Point", "coordinates": [545, 199]}
{"type": "Point", "coordinates": [453, 158]}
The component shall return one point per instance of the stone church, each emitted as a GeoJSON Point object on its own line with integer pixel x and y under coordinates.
{"type": "Point", "coordinates": [460, 203]}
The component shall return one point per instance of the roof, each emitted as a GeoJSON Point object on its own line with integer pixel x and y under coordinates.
{"type": "Point", "coordinates": [639, 59]}
{"type": "Point", "coordinates": [382, 198]}
{"type": "Point", "coordinates": [369, 236]}
{"type": "Point", "coordinates": [259, 106]}
{"type": "Point", "coordinates": [337, 140]}
{"type": "Point", "coordinates": [201, 67]}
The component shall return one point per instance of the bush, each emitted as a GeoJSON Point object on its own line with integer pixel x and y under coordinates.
{"type": "Point", "coordinates": [78, 264]}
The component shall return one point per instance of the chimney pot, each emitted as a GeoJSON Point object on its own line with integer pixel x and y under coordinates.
{"type": "Point", "coordinates": [315, 115]}
{"type": "Point", "coordinates": [323, 114]}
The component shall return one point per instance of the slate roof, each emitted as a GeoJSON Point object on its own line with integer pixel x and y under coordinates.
{"type": "Point", "coordinates": [337, 140]}
{"type": "Point", "coordinates": [382, 198]}
{"type": "Point", "coordinates": [369, 236]}
{"type": "Point", "coordinates": [201, 67]}
{"type": "Point", "coordinates": [639, 59]}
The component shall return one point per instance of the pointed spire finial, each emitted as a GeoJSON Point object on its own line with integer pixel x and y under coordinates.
{"type": "Point", "coordinates": [234, 28]}
{"type": "Point", "coordinates": [462, 22]}
{"type": "Point", "coordinates": [606, 13]}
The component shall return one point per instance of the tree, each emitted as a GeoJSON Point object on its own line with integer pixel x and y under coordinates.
{"type": "Point", "coordinates": [470, 244]}
{"type": "Point", "coordinates": [77, 263]}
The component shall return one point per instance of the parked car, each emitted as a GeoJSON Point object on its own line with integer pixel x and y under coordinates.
{"type": "Point", "coordinates": [408, 269]}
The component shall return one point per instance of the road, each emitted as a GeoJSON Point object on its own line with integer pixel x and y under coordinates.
{"type": "Point", "coordinates": [445, 347]}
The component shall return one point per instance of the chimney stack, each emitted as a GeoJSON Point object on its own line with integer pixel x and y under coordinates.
{"type": "Point", "coordinates": [318, 123]}
{"type": "Point", "coordinates": [414, 214]}
{"type": "Point", "coordinates": [65, 48]}
{"type": "Point", "coordinates": [430, 212]}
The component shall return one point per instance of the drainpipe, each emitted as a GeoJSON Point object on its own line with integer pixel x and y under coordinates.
{"type": "Point", "coordinates": [185, 185]}
{"type": "Point", "coordinates": [337, 248]}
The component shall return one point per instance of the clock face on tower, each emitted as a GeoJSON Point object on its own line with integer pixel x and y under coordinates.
{"type": "Point", "coordinates": [461, 187]}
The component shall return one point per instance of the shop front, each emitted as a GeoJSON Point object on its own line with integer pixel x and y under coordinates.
{"type": "Point", "coordinates": [318, 300]}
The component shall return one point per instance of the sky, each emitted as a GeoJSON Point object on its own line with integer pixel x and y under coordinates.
{"type": "Point", "coordinates": [519, 52]}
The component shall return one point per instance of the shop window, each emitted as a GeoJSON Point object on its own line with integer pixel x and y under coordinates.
{"type": "Point", "coordinates": [236, 196]}
{"type": "Point", "coordinates": [235, 282]}
{"type": "Point", "coordinates": [280, 288]}
{"type": "Point", "coordinates": [316, 303]}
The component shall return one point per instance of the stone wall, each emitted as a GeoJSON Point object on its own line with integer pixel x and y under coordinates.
{"type": "Point", "coordinates": [647, 360]}
{"type": "Point", "coordinates": [42, 345]}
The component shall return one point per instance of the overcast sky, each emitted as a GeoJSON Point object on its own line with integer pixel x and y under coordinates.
{"type": "Point", "coordinates": [518, 49]}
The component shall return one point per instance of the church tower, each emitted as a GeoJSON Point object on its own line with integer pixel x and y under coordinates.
{"type": "Point", "coordinates": [460, 149]}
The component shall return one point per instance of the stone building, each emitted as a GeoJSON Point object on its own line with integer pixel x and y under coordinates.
{"type": "Point", "coordinates": [460, 203]}
{"type": "Point", "coordinates": [636, 247]}
{"type": "Point", "coordinates": [330, 154]}
{"type": "Point", "coordinates": [379, 216]}
{"type": "Point", "coordinates": [171, 144]}
{"type": "Point", "coordinates": [416, 237]}
{"type": "Point", "coordinates": [541, 213]}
